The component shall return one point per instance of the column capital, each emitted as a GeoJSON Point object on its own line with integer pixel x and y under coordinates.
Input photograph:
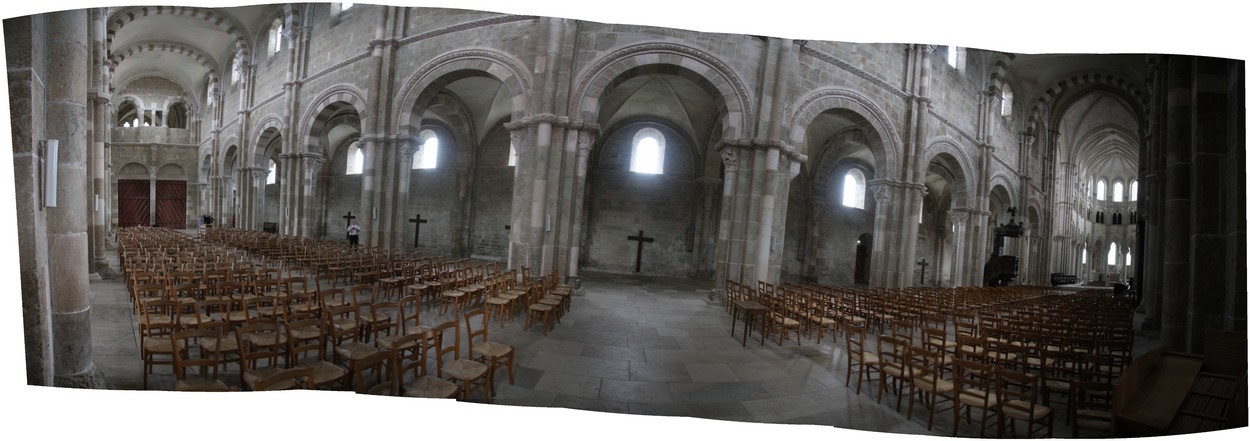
{"type": "Point", "coordinates": [729, 156]}
{"type": "Point", "coordinates": [959, 218]}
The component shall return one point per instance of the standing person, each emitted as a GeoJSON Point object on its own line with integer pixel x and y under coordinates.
{"type": "Point", "coordinates": [353, 233]}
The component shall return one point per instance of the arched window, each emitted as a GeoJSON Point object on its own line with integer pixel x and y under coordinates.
{"type": "Point", "coordinates": [1111, 254]}
{"type": "Point", "coordinates": [854, 187]}
{"type": "Point", "coordinates": [273, 173]}
{"type": "Point", "coordinates": [355, 159]}
{"type": "Point", "coordinates": [921, 211]}
{"type": "Point", "coordinates": [648, 153]}
{"type": "Point", "coordinates": [1008, 97]}
{"type": "Point", "coordinates": [1132, 190]}
{"type": "Point", "coordinates": [234, 69]}
{"type": "Point", "coordinates": [952, 56]}
{"type": "Point", "coordinates": [1101, 190]}
{"type": "Point", "coordinates": [1084, 254]}
{"type": "Point", "coordinates": [1128, 257]}
{"type": "Point", "coordinates": [427, 155]}
{"type": "Point", "coordinates": [1117, 192]}
{"type": "Point", "coordinates": [511, 155]}
{"type": "Point", "coordinates": [275, 36]}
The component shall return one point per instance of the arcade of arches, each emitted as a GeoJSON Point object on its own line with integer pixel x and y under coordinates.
{"type": "Point", "coordinates": [546, 143]}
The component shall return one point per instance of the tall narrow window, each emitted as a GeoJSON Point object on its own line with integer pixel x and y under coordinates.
{"type": "Point", "coordinates": [1084, 254]}
{"type": "Point", "coordinates": [1128, 258]}
{"type": "Point", "coordinates": [427, 155]}
{"type": "Point", "coordinates": [1132, 191]}
{"type": "Point", "coordinates": [1100, 192]}
{"type": "Point", "coordinates": [235, 68]}
{"type": "Point", "coordinates": [648, 153]}
{"type": "Point", "coordinates": [1117, 192]}
{"type": "Point", "coordinates": [1008, 97]}
{"type": "Point", "coordinates": [853, 189]}
{"type": "Point", "coordinates": [275, 36]}
{"type": "Point", "coordinates": [952, 56]}
{"type": "Point", "coordinates": [1089, 189]}
{"type": "Point", "coordinates": [355, 159]}
{"type": "Point", "coordinates": [920, 218]}
{"type": "Point", "coordinates": [273, 173]}
{"type": "Point", "coordinates": [1111, 254]}
{"type": "Point", "coordinates": [511, 155]}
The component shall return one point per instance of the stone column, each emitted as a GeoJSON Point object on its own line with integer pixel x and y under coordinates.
{"type": "Point", "coordinates": [66, 112]}
{"type": "Point", "coordinates": [309, 210]}
{"type": "Point", "coordinates": [882, 228]}
{"type": "Point", "coordinates": [585, 140]}
{"type": "Point", "coordinates": [260, 176]}
{"type": "Point", "coordinates": [959, 219]}
{"type": "Point", "coordinates": [726, 269]}
{"type": "Point", "coordinates": [1176, 265]}
{"type": "Point", "coordinates": [100, 130]}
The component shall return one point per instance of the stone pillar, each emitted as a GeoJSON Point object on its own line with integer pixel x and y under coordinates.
{"type": "Point", "coordinates": [99, 175]}
{"type": "Point", "coordinates": [309, 210]}
{"type": "Point", "coordinates": [66, 110]}
{"type": "Point", "coordinates": [585, 140]}
{"type": "Point", "coordinates": [959, 219]}
{"type": "Point", "coordinates": [726, 269]}
{"type": "Point", "coordinates": [259, 178]}
{"type": "Point", "coordinates": [768, 203]}
{"type": "Point", "coordinates": [882, 228]}
{"type": "Point", "coordinates": [1212, 135]}
{"type": "Point", "coordinates": [1176, 264]}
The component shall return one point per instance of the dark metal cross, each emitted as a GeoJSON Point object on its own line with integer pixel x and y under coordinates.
{"type": "Point", "coordinates": [349, 217]}
{"type": "Point", "coordinates": [923, 264]}
{"type": "Point", "coordinates": [640, 238]}
{"type": "Point", "coordinates": [416, 240]}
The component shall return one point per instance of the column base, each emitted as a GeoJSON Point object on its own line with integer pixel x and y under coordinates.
{"type": "Point", "coordinates": [91, 379]}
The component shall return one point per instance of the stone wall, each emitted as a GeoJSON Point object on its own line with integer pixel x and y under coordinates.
{"type": "Point", "coordinates": [492, 199]}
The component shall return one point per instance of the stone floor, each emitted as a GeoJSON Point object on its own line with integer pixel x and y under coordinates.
{"type": "Point", "coordinates": [631, 345]}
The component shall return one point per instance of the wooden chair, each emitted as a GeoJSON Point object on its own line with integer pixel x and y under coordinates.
{"type": "Point", "coordinates": [190, 353]}
{"type": "Point", "coordinates": [306, 342]}
{"type": "Point", "coordinates": [225, 348]}
{"type": "Point", "coordinates": [420, 384]}
{"type": "Point", "coordinates": [1018, 398]}
{"type": "Point", "coordinates": [344, 326]}
{"type": "Point", "coordinates": [374, 374]}
{"type": "Point", "coordinates": [260, 342]}
{"type": "Point", "coordinates": [895, 353]}
{"type": "Point", "coordinates": [974, 389]}
{"type": "Point", "coordinates": [859, 360]}
{"type": "Point", "coordinates": [542, 313]}
{"type": "Point", "coordinates": [494, 355]}
{"type": "Point", "coordinates": [158, 323]}
{"type": "Point", "coordinates": [928, 382]}
{"type": "Point", "coordinates": [464, 372]}
{"type": "Point", "coordinates": [1090, 408]}
{"type": "Point", "coordinates": [779, 321]}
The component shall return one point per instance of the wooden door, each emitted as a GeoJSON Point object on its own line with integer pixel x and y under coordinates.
{"type": "Point", "coordinates": [132, 202]}
{"type": "Point", "coordinates": [171, 204]}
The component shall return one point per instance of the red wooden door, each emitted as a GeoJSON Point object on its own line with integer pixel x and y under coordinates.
{"type": "Point", "coordinates": [132, 202]}
{"type": "Point", "coordinates": [171, 204]}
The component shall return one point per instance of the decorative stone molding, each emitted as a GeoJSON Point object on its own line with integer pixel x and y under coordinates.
{"type": "Point", "coordinates": [585, 140]}
{"type": "Point", "coordinates": [313, 162]}
{"type": "Point", "coordinates": [881, 193]}
{"type": "Point", "coordinates": [959, 218]}
{"type": "Point", "coordinates": [260, 174]}
{"type": "Point", "coordinates": [762, 144]}
{"type": "Point", "coordinates": [729, 155]}
{"type": "Point", "coordinates": [501, 19]}
{"type": "Point", "coordinates": [407, 149]}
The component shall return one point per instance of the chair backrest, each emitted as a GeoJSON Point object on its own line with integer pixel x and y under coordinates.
{"type": "Point", "coordinates": [855, 336]}
{"type": "Point", "coordinates": [189, 352]}
{"type": "Point", "coordinates": [1017, 391]}
{"type": "Point", "coordinates": [299, 348]}
{"type": "Point", "coordinates": [251, 352]}
{"type": "Point", "coordinates": [478, 315]}
{"type": "Point", "coordinates": [375, 373]}
{"type": "Point", "coordinates": [286, 379]}
{"type": "Point", "coordinates": [973, 379]}
{"type": "Point", "coordinates": [894, 350]}
{"type": "Point", "coordinates": [446, 341]}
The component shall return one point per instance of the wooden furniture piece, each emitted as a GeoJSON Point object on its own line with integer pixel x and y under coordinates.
{"type": "Point", "coordinates": [752, 311]}
{"type": "Point", "coordinates": [493, 354]}
{"type": "Point", "coordinates": [859, 360]}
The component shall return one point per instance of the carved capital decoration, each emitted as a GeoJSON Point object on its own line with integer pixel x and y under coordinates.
{"type": "Point", "coordinates": [730, 157]}
{"type": "Point", "coordinates": [959, 218]}
{"type": "Point", "coordinates": [407, 148]}
{"type": "Point", "coordinates": [312, 163]}
{"type": "Point", "coordinates": [260, 174]}
{"type": "Point", "coordinates": [881, 193]}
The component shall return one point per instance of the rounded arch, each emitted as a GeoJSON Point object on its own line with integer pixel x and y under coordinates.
{"type": "Point", "coordinates": [1063, 92]}
{"type": "Point", "coordinates": [329, 103]}
{"type": "Point", "coordinates": [946, 150]}
{"type": "Point", "coordinates": [171, 171]}
{"type": "Point", "coordinates": [423, 85]}
{"type": "Point", "coordinates": [268, 144]}
{"type": "Point", "coordinates": [221, 20]}
{"type": "Point", "coordinates": [1007, 184]}
{"type": "Point", "coordinates": [595, 80]}
{"type": "Point", "coordinates": [134, 170]}
{"type": "Point", "coordinates": [125, 83]}
{"type": "Point", "coordinates": [269, 128]}
{"type": "Point", "coordinates": [822, 100]}
{"type": "Point", "coordinates": [119, 55]}
{"type": "Point", "coordinates": [205, 166]}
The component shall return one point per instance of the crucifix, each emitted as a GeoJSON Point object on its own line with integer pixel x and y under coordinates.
{"type": "Point", "coordinates": [416, 240]}
{"type": "Point", "coordinates": [349, 217]}
{"type": "Point", "coordinates": [923, 264]}
{"type": "Point", "coordinates": [640, 238]}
